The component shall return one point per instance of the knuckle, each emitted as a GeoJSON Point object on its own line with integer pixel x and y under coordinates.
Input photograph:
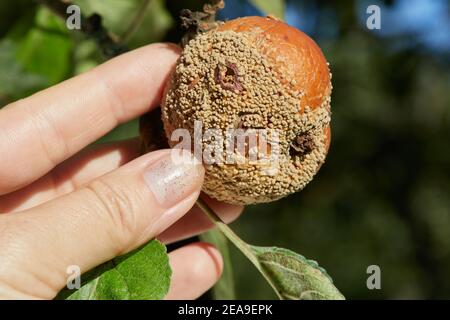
{"type": "Point", "coordinates": [116, 202]}
{"type": "Point", "coordinates": [113, 98]}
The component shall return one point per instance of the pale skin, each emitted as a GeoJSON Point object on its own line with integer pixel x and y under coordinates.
{"type": "Point", "coordinates": [63, 202]}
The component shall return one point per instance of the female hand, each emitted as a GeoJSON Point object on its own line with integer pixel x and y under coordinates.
{"type": "Point", "coordinates": [63, 207]}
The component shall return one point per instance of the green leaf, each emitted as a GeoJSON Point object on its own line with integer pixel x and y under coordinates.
{"type": "Point", "coordinates": [156, 22]}
{"type": "Point", "coordinates": [224, 288]}
{"type": "Point", "coordinates": [272, 7]}
{"type": "Point", "coordinates": [143, 274]}
{"type": "Point", "coordinates": [46, 48]}
{"type": "Point", "coordinates": [118, 15]}
{"type": "Point", "coordinates": [15, 81]}
{"type": "Point", "coordinates": [293, 276]}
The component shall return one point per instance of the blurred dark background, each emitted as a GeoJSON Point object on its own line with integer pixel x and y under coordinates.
{"type": "Point", "coordinates": [383, 196]}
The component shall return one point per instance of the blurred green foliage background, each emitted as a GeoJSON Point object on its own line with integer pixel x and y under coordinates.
{"type": "Point", "coordinates": [382, 197]}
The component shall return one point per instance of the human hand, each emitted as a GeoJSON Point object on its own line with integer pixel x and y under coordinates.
{"type": "Point", "coordinates": [63, 207]}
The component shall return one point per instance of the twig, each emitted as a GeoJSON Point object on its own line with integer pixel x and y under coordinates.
{"type": "Point", "coordinates": [91, 26]}
{"type": "Point", "coordinates": [195, 22]}
{"type": "Point", "coordinates": [136, 22]}
{"type": "Point", "coordinates": [234, 238]}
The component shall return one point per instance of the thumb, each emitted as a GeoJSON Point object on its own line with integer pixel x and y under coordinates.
{"type": "Point", "coordinates": [110, 216]}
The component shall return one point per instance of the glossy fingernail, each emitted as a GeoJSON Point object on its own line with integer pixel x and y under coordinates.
{"type": "Point", "coordinates": [171, 181]}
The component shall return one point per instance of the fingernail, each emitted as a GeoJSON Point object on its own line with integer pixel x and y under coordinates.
{"type": "Point", "coordinates": [171, 181]}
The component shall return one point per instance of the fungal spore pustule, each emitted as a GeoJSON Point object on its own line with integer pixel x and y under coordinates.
{"type": "Point", "coordinates": [254, 73]}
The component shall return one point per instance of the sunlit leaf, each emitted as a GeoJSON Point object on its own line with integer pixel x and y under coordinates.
{"type": "Point", "coordinates": [15, 81]}
{"type": "Point", "coordinates": [46, 48]}
{"type": "Point", "coordinates": [293, 276]}
{"type": "Point", "coordinates": [119, 15]}
{"type": "Point", "coordinates": [143, 274]}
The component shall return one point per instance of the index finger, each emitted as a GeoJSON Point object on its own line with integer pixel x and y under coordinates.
{"type": "Point", "coordinates": [41, 131]}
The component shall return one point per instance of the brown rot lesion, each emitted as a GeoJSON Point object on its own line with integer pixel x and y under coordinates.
{"type": "Point", "coordinates": [227, 76]}
{"type": "Point", "coordinates": [302, 145]}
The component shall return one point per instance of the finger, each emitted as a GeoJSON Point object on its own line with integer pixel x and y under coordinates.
{"type": "Point", "coordinates": [41, 131]}
{"type": "Point", "coordinates": [109, 217]}
{"type": "Point", "coordinates": [195, 269]}
{"type": "Point", "coordinates": [93, 163]}
{"type": "Point", "coordinates": [196, 222]}
{"type": "Point", "coordinates": [70, 175]}
{"type": "Point", "coordinates": [96, 161]}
